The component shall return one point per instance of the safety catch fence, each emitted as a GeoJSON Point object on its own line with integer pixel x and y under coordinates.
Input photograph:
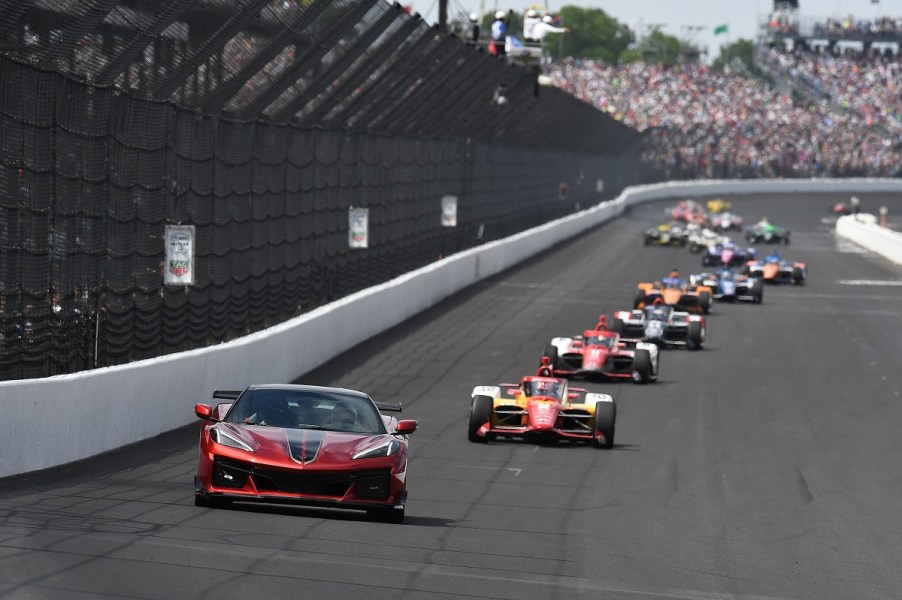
{"type": "Point", "coordinates": [260, 124]}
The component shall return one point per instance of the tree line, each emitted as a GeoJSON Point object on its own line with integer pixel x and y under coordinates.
{"type": "Point", "coordinates": [594, 34]}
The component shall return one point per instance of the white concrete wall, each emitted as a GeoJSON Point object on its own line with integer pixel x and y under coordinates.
{"type": "Point", "coordinates": [52, 421]}
{"type": "Point", "coordinates": [865, 231]}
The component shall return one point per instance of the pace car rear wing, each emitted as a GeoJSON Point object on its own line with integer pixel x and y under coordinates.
{"type": "Point", "coordinates": [388, 406]}
{"type": "Point", "coordinates": [227, 394]}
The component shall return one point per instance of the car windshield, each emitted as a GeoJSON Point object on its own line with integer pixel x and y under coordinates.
{"type": "Point", "coordinates": [544, 388]}
{"type": "Point", "coordinates": [332, 410]}
{"type": "Point", "coordinates": [598, 340]}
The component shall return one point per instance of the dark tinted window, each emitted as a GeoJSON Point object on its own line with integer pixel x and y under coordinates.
{"type": "Point", "coordinates": [307, 409]}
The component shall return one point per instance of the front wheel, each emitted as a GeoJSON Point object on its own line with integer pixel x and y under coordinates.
{"type": "Point", "coordinates": [704, 300]}
{"type": "Point", "coordinates": [605, 419]}
{"type": "Point", "coordinates": [386, 515]}
{"type": "Point", "coordinates": [551, 352]}
{"type": "Point", "coordinates": [642, 366]}
{"type": "Point", "coordinates": [480, 414]}
{"type": "Point", "coordinates": [206, 501]}
{"type": "Point", "coordinates": [695, 336]}
{"type": "Point", "coordinates": [639, 298]}
{"type": "Point", "coordinates": [797, 277]}
{"type": "Point", "coordinates": [758, 292]}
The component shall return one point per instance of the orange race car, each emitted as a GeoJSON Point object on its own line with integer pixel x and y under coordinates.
{"type": "Point", "coordinates": [673, 291]}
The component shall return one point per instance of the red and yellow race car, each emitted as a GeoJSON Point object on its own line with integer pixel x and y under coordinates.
{"type": "Point", "coordinates": [541, 409]}
{"type": "Point", "coordinates": [303, 444]}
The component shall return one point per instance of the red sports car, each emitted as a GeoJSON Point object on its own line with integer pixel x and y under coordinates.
{"type": "Point", "coordinates": [303, 444]}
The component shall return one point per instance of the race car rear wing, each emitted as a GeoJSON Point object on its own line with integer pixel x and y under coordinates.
{"type": "Point", "coordinates": [388, 406]}
{"type": "Point", "coordinates": [227, 394]}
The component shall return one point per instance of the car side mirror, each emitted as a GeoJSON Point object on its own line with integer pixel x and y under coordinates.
{"type": "Point", "coordinates": [406, 426]}
{"type": "Point", "coordinates": [621, 345]}
{"type": "Point", "coordinates": [205, 412]}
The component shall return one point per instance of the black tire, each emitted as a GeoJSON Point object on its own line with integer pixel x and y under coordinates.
{"type": "Point", "coordinates": [616, 325]}
{"type": "Point", "coordinates": [758, 292]}
{"type": "Point", "coordinates": [206, 501]}
{"type": "Point", "coordinates": [386, 515]}
{"type": "Point", "coordinates": [551, 352]}
{"type": "Point", "coordinates": [786, 240]}
{"type": "Point", "coordinates": [706, 262]}
{"type": "Point", "coordinates": [695, 249]}
{"type": "Point", "coordinates": [647, 241]}
{"type": "Point", "coordinates": [639, 298]}
{"type": "Point", "coordinates": [694, 336]}
{"type": "Point", "coordinates": [704, 300]}
{"type": "Point", "coordinates": [605, 421]}
{"type": "Point", "coordinates": [797, 276]}
{"type": "Point", "coordinates": [480, 413]}
{"type": "Point", "coordinates": [642, 365]}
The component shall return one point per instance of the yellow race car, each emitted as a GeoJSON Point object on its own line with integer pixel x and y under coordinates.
{"type": "Point", "coordinates": [666, 235]}
{"type": "Point", "coordinates": [541, 409]}
{"type": "Point", "coordinates": [717, 205]}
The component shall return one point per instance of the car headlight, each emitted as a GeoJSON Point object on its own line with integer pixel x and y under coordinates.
{"type": "Point", "coordinates": [386, 449]}
{"type": "Point", "coordinates": [226, 439]}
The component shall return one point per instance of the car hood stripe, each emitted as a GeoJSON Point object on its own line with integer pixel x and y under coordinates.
{"type": "Point", "coordinates": [304, 444]}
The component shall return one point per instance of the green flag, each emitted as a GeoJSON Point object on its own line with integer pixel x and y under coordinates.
{"type": "Point", "coordinates": [721, 29]}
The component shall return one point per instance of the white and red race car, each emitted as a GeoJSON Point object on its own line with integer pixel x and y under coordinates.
{"type": "Point", "coordinates": [601, 354]}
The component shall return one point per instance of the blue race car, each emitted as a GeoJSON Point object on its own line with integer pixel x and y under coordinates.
{"type": "Point", "coordinates": [730, 286]}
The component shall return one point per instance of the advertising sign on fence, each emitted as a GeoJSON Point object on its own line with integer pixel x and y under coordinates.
{"type": "Point", "coordinates": [179, 255]}
{"type": "Point", "coordinates": [449, 211]}
{"type": "Point", "coordinates": [359, 228]}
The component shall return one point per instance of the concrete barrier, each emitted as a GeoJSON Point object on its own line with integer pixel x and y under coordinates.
{"type": "Point", "coordinates": [53, 421]}
{"type": "Point", "coordinates": [865, 231]}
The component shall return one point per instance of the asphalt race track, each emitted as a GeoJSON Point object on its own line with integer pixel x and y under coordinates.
{"type": "Point", "coordinates": [768, 465]}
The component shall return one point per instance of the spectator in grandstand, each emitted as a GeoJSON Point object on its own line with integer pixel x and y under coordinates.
{"type": "Point", "coordinates": [499, 34]}
{"type": "Point", "coordinates": [708, 123]}
{"type": "Point", "coordinates": [472, 35]}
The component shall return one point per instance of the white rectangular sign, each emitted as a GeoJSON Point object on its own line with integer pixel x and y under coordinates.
{"type": "Point", "coordinates": [179, 255]}
{"type": "Point", "coordinates": [449, 211]}
{"type": "Point", "coordinates": [359, 228]}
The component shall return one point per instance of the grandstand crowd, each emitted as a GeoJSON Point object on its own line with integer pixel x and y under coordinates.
{"type": "Point", "coordinates": [706, 122]}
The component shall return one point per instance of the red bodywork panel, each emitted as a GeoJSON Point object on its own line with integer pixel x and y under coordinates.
{"type": "Point", "coordinates": [295, 465]}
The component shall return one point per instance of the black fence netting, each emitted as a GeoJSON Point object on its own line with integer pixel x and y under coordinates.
{"type": "Point", "coordinates": [262, 124]}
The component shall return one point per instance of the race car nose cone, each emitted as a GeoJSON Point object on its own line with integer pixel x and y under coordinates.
{"type": "Point", "coordinates": [595, 358]}
{"type": "Point", "coordinates": [542, 414]}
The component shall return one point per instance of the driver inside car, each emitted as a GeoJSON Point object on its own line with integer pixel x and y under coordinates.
{"type": "Point", "coordinates": [342, 418]}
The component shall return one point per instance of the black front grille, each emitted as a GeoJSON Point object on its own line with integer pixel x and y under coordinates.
{"type": "Point", "coordinates": [370, 484]}
{"type": "Point", "coordinates": [375, 486]}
